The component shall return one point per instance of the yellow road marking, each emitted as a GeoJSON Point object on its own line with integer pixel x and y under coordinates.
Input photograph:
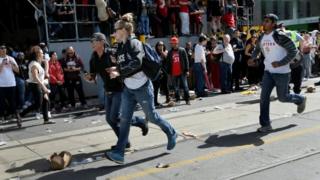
{"type": "Point", "coordinates": [215, 154]}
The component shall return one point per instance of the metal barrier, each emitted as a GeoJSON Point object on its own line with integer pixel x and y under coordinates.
{"type": "Point", "coordinates": [75, 21]}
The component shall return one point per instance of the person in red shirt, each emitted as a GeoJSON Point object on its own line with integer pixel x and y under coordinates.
{"type": "Point", "coordinates": [56, 81]}
{"type": "Point", "coordinates": [229, 21]}
{"type": "Point", "coordinates": [177, 66]}
{"type": "Point", "coordinates": [184, 16]}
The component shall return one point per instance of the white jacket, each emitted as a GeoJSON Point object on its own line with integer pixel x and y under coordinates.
{"type": "Point", "coordinates": [102, 12]}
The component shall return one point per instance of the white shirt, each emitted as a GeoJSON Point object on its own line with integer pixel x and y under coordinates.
{"type": "Point", "coordinates": [136, 81]}
{"type": "Point", "coordinates": [272, 53]}
{"type": "Point", "coordinates": [40, 70]}
{"type": "Point", "coordinates": [199, 54]}
{"type": "Point", "coordinates": [7, 78]}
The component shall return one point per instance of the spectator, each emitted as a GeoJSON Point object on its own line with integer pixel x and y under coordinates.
{"type": "Point", "coordinates": [174, 9]}
{"type": "Point", "coordinates": [196, 16]}
{"type": "Point", "coordinates": [238, 49]}
{"type": "Point", "coordinates": [253, 69]}
{"type": "Point", "coordinates": [20, 80]}
{"type": "Point", "coordinates": [161, 83]}
{"type": "Point", "coordinates": [72, 66]}
{"type": "Point", "coordinates": [103, 16]}
{"type": "Point", "coordinates": [66, 14]}
{"type": "Point", "coordinates": [189, 49]}
{"type": "Point", "coordinates": [200, 66]}
{"type": "Point", "coordinates": [229, 22]}
{"type": "Point", "coordinates": [144, 17]}
{"type": "Point", "coordinates": [38, 86]}
{"type": "Point", "coordinates": [137, 89]}
{"type": "Point", "coordinates": [213, 63]}
{"type": "Point", "coordinates": [162, 14]}
{"type": "Point", "coordinates": [226, 62]}
{"type": "Point", "coordinates": [8, 85]}
{"type": "Point", "coordinates": [307, 58]}
{"type": "Point", "coordinates": [178, 68]}
{"type": "Point", "coordinates": [56, 82]}
{"type": "Point", "coordinates": [184, 17]}
{"type": "Point", "coordinates": [214, 13]}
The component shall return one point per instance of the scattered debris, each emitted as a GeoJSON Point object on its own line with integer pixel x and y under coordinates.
{"type": "Point", "coordinates": [2, 143]}
{"type": "Point", "coordinates": [96, 121]}
{"type": "Point", "coordinates": [189, 134]}
{"type": "Point", "coordinates": [49, 130]}
{"type": "Point", "coordinates": [218, 107]}
{"type": "Point", "coordinates": [60, 161]}
{"type": "Point", "coordinates": [311, 89]}
{"type": "Point", "coordinates": [203, 110]}
{"type": "Point", "coordinates": [161, 165]}
{"type": "Point", "coordinates": [248, 92]}
{"type": "Point", "coordinates": [68, 121]}
{"type": "Point", "coordinates": [13, 165]}
{"type": "Point", "coordinates": [81, 150]}
{"type": "Point", "coordinates": [173, 109]}
{"type": "Point", "coordinates": [15, 178]}
{"type": "Point", "coordinates": [86, 161]}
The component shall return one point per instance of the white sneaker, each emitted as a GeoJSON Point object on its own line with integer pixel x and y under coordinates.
{"type": "Point", "coordinates": [49, 114]}
{"type": "Point", "coordinates": [38, 116]}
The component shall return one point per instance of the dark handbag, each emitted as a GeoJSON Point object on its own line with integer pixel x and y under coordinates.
{"type": "Point", "coordinates": [111, 13]}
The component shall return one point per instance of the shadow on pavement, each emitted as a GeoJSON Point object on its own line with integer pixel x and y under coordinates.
{"type": "Point", "coordinates": [231, 140]}
{"type": "Point", "coordinates": [92, 173]}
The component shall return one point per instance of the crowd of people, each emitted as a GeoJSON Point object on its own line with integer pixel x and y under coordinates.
{"type": "Point", "coordinates": [154, 18]}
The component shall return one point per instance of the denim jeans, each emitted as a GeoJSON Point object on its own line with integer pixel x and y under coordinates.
{"type": "Point", "coordinates": [225, 76]}
{"type": "Point", "coordinates": [101, 92]}
{"type": "Point", "coordinates": [112, 107]}
{"type": "Point", "coordinates": [144, 20]}
{"type": "Point", "coordinates": [21, 89]}
{"type": "Point", "coordinates": [143, 96]}
{"type": "Point", "coordinates": [281, 82]}
{"type": "Point", "coordinates": [177, 81]}
{"type": "Point", "coordinates": [200, 81]}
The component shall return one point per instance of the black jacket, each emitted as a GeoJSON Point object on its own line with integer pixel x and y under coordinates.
{"type": "Point", "coordinates": [129, 57]}
{"type": "Point", "coordinates": [184, 61]}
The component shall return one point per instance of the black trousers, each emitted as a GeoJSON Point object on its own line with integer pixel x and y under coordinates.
{"type": "Point", "coordinates": [296, 79]}
{"type": "Point", "coordinates": [7, 101]}
{"type": "Point", "coordinates": [40, 103]}
{"type": "Point", "coordinates": [72, 85]}
{"type": "Point", "coordinates": [236, 74]}
{"type": "Point", "coordinates": [57, 90]}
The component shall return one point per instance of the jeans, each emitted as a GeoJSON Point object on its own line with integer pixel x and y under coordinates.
{"type": "Point", "coordinates": [21, 90]}
{"type": "Point", "coordinates": [7, 100]}
{"type": "Point", "coordinates": [281, 82]}
{"type": "Point", "coordinates": [200, 81]}
{"type": "Point", "coordinates": [226, 77]}
{"type": "Point", "coordinates": [177, 81]}
{"type": "Point", "coordinates": [75, 85]}
{"type": "Point", "coordinates": [144, 20]}
{"type": "Point", "coordinates": [143, 96]}
{"type": "Point", "coordinates": [101, 92]}
{"type": "Point", "coordinates": [185, 23]}
{"type": "Point", "coordinates": [40, 103]}
{"type": "Point", "coordinates": [112, 107]}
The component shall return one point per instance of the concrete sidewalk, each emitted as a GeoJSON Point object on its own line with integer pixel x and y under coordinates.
{"type": "Point", "coordinates": [28, 156]}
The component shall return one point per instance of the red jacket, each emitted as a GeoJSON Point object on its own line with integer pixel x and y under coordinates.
{"type": "Point", "coordinates": [229, 20]}
{"type": "Point", "coordinates": [55, 72]}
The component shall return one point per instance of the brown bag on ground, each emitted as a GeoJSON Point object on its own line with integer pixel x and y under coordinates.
{"type": "Point", "coordinates": [58, 162]}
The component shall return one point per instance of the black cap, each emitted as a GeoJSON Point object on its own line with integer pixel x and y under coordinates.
{"type": "Point", "coordinates": [98, 37]}
{"type": "Point", "coordinates": [274, 18]}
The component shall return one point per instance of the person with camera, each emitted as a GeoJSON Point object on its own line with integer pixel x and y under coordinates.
{"type": "Point", "coordinates": [279, 50]}
{"type": "Point", "coordinates": [102, 59]}
{"type": "Point", "coordinates": [137, 87]}
{"type": "Point", "coordinates": [8, 84]}
{"type": "Point", "coordinates": [72, 66]}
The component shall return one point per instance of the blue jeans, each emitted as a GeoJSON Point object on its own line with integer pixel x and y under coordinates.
{"type": "Point", "coordinates": [130, 98]}
{"type": "Point", "coordinates": [225, 76]}
{"type": "Point", "coordinates": [177, 81]}
{"type": "Point", "coordinates": [144, 20]}
{"type": "Point", "coordinates": [112, 107]}
{"type": "Point", "coordinates": [200, 81]}
{"type": "Point", "coordinates": [281, 82]}
{"type": "Point", "coordinates": [101, 93]}
{"type": "Point", "coordinates": [21, 88]}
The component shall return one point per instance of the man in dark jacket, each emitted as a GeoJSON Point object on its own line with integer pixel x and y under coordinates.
{"type": "Point", "coordinates": [178, 69]}
{"type": "Point", "coordinates": [279, 50]}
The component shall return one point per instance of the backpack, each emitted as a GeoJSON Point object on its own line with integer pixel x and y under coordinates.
{"type": "Point", "coordinates": [151, 64]}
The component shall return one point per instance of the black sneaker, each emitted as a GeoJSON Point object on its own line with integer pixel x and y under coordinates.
{"type": "Point", "coordinates": [264, 129]}
{"type": "Point", "coordinates": [301, 107]}
{"type": "Point", "coordinates": [128, 146]}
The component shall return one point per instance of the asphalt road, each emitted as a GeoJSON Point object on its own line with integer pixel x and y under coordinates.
{"type": "Point", "coordinates": [290, 151]}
